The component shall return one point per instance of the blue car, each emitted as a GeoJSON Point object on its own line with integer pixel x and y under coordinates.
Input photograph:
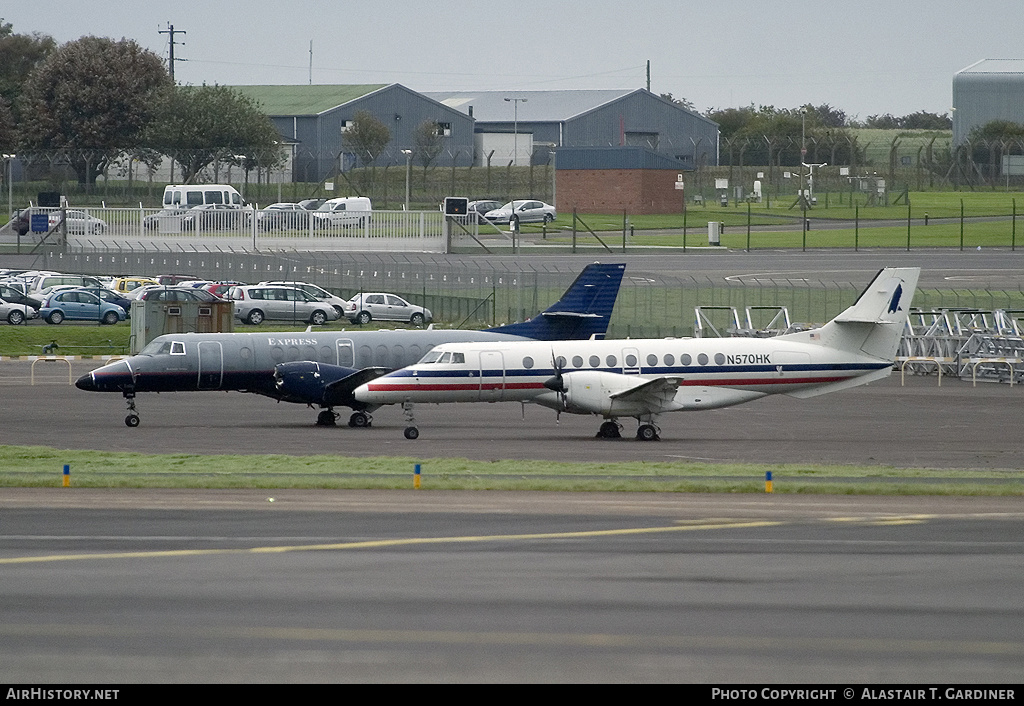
{"type": "Point", "coordinates": [79, 305]}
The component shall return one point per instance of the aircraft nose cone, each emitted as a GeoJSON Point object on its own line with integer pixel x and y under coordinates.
{"type": "Point", "coordinates": [362, 393]}
{"type": "Point", "coordinates": [86, 382]}
{"type": "Point", "coordinates": [114, 376]}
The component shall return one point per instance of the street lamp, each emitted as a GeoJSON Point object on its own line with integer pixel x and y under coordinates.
{"type": "Point", "coordinates": [515, 127]}
{"type": "Point", "coordinates": [408, 172]}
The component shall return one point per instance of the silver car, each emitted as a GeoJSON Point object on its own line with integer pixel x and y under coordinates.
{"type": "Point", "coordinates": [316, 292]}
{"type": "Point", "coordinates": [256, 303]}
{"type": "Point", "coordinates": [15, 314]}
{"type": "Point", "coordinates": [523, 212]}
{"type": "Point", "coordinates": [367, 306]}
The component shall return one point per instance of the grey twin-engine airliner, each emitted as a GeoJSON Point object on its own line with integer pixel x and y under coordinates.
{"type": "Point", "coordinates": [323, 368]}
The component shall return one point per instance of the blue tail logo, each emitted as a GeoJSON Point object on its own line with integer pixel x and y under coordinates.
{"type": "Point", "coordinates": [894, 304]}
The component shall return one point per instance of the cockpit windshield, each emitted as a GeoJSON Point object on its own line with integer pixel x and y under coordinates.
{"type": "Point", "coordinates": [162, 347]}
{"type": "Point", "coordinates": [442, 357]}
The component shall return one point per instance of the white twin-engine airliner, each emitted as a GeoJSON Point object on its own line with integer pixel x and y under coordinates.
{"type": "Point", "coordinates": [646, 378]}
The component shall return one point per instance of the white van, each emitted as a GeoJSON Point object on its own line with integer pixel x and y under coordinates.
{"type": "Point", "coordinates": [184, 196]}
{"type": "Point", "coordinates": [347, 210]}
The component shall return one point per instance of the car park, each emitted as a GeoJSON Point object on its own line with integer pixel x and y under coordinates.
{"type": "Point", "coordinates": [79, 305]}
{"type": "Point", "coordinates": [381, 306]}
{"type": "Point", "coordinates": [316, 292]}
{"type": "Point", "coordinates": [256, 303]}
{"type": "Point", "coordinates": [523, 212]}
{"type": "Point", "coordinates": [16, 314]}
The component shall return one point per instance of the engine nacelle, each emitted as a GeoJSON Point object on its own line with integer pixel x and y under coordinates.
{"type": "Point", "coordinates": [306, 381]}
{"type": "Point", "coordinates": [589, 392]}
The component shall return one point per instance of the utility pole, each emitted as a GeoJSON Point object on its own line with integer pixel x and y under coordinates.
{"type": "Point", "coordinates": [648, 74]}
{"type": "Point", "coordinates": [170, 31]}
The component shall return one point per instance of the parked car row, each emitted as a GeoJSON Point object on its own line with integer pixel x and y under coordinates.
{"type": "Point", "coordinates": [525, 211]}
{"type": "Point", "coordinates": [56, 297]}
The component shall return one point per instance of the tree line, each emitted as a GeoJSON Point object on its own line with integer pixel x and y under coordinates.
{"type": "Point", "coordinates": [88, 103]}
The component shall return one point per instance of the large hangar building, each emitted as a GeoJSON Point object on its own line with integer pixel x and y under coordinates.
{"type": "Point", "coordinates": [314, 119]}
{"type": "Point", "coordinates": [990, 89]}
{"type": "Point", "coordinates": [524, 127]}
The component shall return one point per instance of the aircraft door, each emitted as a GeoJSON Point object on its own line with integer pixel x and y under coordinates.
{"type": "Point", "coordinates": [211, 365]}
{"type": "Point", "coordinates": [630, 361]}
{"type": "Point", "coordinates": [346, 353]}
{"type": "Point", "coordinates": [492, 376]}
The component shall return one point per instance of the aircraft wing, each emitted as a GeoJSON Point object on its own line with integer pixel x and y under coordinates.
{"type": "Point", "coordinates": [340, 391]}
{"type": "Point", "coordinates": [654, 394]}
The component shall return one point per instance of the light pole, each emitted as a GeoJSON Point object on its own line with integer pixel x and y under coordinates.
{"type": "Point", "coordinates": [10, 182]}
{"type": "Point", "coordinates": [803, 156]}
{"type": "Point", "coordinates": [408, 172]}
{"type": "Point", "coordinates": [515, 127]}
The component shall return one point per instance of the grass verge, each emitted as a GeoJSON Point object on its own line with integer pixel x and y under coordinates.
{"type": "Point", "coordinates": [36, 466]}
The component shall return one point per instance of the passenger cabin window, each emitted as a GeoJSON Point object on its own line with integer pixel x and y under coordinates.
{"type": "Point", "coordinates": [214, 197]}
{"type": "Point", "coordinates": [194, 198]}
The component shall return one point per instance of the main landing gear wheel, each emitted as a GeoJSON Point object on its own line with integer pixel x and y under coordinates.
{"type": "Point", "coordinates": [132, 420]}
{"type": "Point", "coordinates": [412, 433]}
{"type": "Point", "coordinates": [359, 420]}
{"type": "Point", "coordinates": [609, 430]}
{"type": "Point", "coordinates": [647, 432]}
{"type": "Point", "coordinates": [326, 418]}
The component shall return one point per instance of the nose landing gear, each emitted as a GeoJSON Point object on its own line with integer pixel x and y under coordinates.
{"type": "Point", "coordinates": [132, 420]}
{"type": "Point", "coordinates": [411, 432]}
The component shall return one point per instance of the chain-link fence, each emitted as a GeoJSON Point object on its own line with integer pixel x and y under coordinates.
{"type": "Point", "coordinates": [474, 293]}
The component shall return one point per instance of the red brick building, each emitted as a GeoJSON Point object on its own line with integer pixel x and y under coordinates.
{"type": "Point", "coordinates": [616, 179]}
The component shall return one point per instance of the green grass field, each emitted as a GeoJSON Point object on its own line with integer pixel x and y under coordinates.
{"type": "Point", "coordinates": [33, 466]}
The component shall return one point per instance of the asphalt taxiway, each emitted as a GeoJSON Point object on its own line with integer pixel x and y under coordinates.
{"type": "Point", "coordinates": [921, 424]}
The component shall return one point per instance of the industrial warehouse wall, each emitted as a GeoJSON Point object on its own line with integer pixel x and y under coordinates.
{"type": "Point", "coordinates": [638, 191]}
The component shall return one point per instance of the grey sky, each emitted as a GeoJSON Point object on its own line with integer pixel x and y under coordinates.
{"type": "Point", "coordinates": [865, 58]}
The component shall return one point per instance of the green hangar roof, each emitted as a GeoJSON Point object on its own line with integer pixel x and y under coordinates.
{"type": "Point", "coordinates": [305, 100]}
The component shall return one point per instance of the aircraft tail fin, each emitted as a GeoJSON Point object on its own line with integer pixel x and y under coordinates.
{"type": "Point", "coordinates": [874, 324]}
{"type": "Point", "coordinates": [583, 312]}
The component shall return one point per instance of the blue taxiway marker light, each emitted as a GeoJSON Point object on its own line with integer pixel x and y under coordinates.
{"type": "Point", "coordinates": [67, 476]}
{"type": "Point", "coordinates": [768, 481]}
{"type": "Point", "coordinates": [416, 477]}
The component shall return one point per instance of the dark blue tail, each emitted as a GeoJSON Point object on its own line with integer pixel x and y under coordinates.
{"type": "Point", "coordinates": [583, 311]}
